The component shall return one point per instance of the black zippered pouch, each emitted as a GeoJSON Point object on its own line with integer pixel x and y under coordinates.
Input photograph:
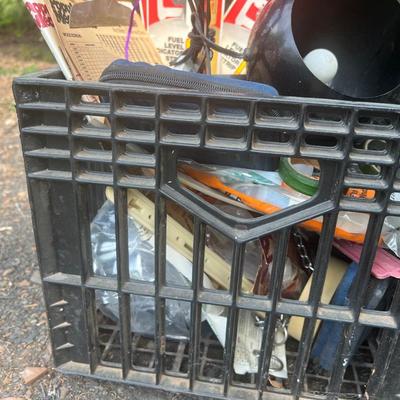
{"type": "Point", "coordinates": [160, 76]}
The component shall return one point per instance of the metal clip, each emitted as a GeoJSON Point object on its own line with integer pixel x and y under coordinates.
{"type": "Point", "coordinates": [258, 322]}
{"type": "Point", "coordinates": [281, 327]}
{"type": "Point", "coordinates": [274, 359]}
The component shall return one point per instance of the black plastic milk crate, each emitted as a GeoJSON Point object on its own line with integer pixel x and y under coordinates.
{"type": "Point", "coordinates": [69, 163]}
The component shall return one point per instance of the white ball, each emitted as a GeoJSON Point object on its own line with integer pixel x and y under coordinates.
{"type": "Point", "coordinates": [323, 64]}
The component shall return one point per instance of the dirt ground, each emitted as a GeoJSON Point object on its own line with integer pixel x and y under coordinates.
{"type": "Point", "coordinates": [24, 340]}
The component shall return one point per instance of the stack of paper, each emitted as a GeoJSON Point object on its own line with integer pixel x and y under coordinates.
{"type": "Point", "coordinates": [89, 50]}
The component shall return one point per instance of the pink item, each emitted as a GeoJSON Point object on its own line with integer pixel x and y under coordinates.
{"type": "Point", "coordinates": [385, 265]}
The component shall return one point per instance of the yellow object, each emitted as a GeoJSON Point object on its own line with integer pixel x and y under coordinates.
{"type": "Point", "coordinates": [334, 274]}
{"type": "Point", "coordinates": [240, 68]}
{"type": "Point", "coordinates": [141, 209]}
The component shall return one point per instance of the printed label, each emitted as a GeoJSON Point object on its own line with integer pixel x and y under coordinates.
{"type": "Point", "coordinates": [40, 14]}
{"type": "Point", "coordinates": [238, 22]}
{"type": "Point", "coordinates": [61, 10]}
{"type": "Point", "coordinates": [157, 10]}
{"type": "Point", "coordinates": [244, 12]}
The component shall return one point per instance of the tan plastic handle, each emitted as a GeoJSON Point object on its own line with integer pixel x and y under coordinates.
{"type": "Point", "coordinates": [141, 209]}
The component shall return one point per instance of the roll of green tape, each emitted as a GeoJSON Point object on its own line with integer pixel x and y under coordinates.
{"type": "Point", "coordinates": [295, 179]}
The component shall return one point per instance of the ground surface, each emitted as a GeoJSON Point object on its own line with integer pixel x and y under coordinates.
{"type": "Point", "coordinates": [23, 325]}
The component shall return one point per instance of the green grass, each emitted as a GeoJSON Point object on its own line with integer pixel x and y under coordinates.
{"type": "Point", "coordinates": [14, 71]}
{"type": "Point", "coordinates": [38, 51]}
{"type": "Point", "coordinates": [29, 48]}
{"type": "Point", "coordinates": [13, 14]}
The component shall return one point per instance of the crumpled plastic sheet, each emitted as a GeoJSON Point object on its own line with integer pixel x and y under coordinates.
{"type": "Point", "coordinates": [266, 186]}
{"type": "Point", "coordinates": [391, 234]}
{"type": "Point", "coordinates": [141, 267]}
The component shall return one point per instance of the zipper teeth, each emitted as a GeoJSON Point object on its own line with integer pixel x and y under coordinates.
{"type": "Point", "coordinates": [167, 81]}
